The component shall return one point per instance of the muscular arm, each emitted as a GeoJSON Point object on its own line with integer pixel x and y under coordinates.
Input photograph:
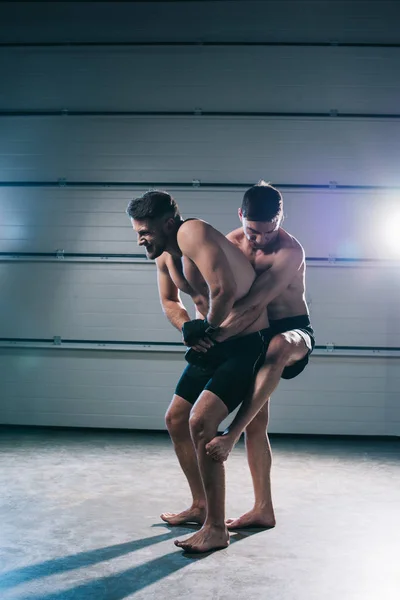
{"type": "Point", "coordinates": [197, 243]}
{"type": "Point", "coordinates": [267, 286]}
{"type": "Point", "coordinates": [170, 300]}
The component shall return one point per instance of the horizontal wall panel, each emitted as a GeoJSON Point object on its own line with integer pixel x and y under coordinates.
{"type": "Point", "coordinates": [294, 79]}
{"type": "Point", "coordinates": [327, 222]}
{"type": "Point", "coordinates": [123, 390]}
{"type": "Point", "coordinates": [337, 427]}
{"type": "Point", "coordinates": [368, 414]}
{"type": "Point", "coordinates": [272, 21]}
{"type": "Point", "coordinates": [42, 300]}
{"type": "Point", "coordinates": [361, 152]}
{"type": "Point", "coordinates": [55, 306]}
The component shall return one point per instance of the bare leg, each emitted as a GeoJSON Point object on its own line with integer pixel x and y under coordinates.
{"type": "Point", "coordinates": [177, 420]}
{"type": "Point", "coordinates": [260, 459]}
{"type": "Point", "coordinates": [284, 349]}
{"type": "Point", "coordinates": [206, 415]}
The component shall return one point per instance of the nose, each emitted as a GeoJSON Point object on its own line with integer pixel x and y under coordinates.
{"type": "Point", "coordinates": [256, 239]}
{"type": "Point", "coordinates": [140, 240]}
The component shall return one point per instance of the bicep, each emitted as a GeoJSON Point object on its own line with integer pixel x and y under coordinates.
{"type": "Point", "coordinates": [201, 246]}
{"type": "Point", "coordinates": [166, 287]}
{"type": "Point", "coordinates": [214, 266]}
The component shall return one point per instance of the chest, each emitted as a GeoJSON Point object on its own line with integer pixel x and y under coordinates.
{"type": "Point", "coordinates": [259, 260]}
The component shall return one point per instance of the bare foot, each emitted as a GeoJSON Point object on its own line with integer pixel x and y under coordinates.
{"type": "Point", "coordinates": [220, 447]}
{"type": "Point", "coordinates": [253, 518]}
{"type": "Point", "coordinates": [208, 538]}
{"type": "Point", "coordinates": [194, 514]}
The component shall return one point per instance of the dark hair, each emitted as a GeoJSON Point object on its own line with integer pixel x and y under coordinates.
{"type": "Point", "coordinates": [262, 202]}
{"type": "Point", "coordinates": [153, 205]}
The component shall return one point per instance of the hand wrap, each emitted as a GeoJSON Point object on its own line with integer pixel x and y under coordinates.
{"type": "Point", "coordinates": [195, 330]}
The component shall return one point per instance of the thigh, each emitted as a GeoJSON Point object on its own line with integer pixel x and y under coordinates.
{"type": "Point", "coordinates": [232, 381]}
{"type": "Point", "coordinates": [192, 382]}
{"type": "Point", "coordinates": [179, 409]}
{"type": "Point", "coordinates": [300, 346]}
{"type": "Point", "coordinates": [287, 348]}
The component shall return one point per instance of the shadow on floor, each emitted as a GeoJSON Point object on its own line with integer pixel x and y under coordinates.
{"type": "Point", "coordinates": [111, 587]}
{"type": "Point", "coordinates": [76, 561]}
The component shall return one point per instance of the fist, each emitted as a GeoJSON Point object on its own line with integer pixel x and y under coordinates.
{"type": "Point", "coordinates": [193, 331]}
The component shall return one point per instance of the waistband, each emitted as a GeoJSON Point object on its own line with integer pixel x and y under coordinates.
{"type": "Point", "coordinates": [241, 341]}
{"type": "Point", "coordinates": [289, 323]}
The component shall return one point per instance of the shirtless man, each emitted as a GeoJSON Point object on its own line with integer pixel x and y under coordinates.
{"type": "Point", "coordinates": [278, 259]}
{"type": "Point", "coordinates": [195, 258]}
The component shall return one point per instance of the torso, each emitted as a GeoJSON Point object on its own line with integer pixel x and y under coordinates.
{"type": "Point", "coordinates": [187, 277]}
{"type": "Point", "coordinates": [291, 302]}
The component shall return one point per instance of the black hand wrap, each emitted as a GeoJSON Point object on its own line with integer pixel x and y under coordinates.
{"type": "Point", "coordinates": [195, 330]}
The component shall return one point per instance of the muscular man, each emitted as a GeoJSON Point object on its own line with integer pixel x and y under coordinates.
{"type": "Point", "coordinates": [195, 258]}
{"type": "Point", "coordinates": [278, 260]}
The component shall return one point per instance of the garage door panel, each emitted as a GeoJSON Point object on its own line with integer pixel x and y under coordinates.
{"type": "Point", "coordinates": [360, 152]}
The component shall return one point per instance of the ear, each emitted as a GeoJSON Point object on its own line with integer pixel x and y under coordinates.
{"type": "Point", "coordinates": [240, 214]}
{"type": "Point", "coordinates": [169, 225]}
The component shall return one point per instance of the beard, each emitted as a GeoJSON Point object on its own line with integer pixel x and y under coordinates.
{"type": "Point", "coordinates": [153, 251]}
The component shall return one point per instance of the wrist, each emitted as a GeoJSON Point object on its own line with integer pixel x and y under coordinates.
{"type": "Point", "coordinates": [183, 323]}
{"type": "Point", "coordinates": [209, 328]}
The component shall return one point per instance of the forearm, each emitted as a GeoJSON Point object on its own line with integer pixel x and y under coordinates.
{"type": "Point", "coordinates": [240, 322]}
{"type": "Point", "coordinates": [219, 308]}
{"type": "Point", "coordinates": [176, 313]}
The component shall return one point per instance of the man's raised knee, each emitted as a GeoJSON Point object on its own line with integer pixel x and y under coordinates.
{"type": "Point", "coordinates": [279, 349]}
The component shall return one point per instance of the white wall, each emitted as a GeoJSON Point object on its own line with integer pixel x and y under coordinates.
{"type": "Point", "coordinates": [110, 159]}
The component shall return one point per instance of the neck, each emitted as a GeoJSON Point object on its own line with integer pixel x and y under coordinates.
{"type": "Point", "coordinates": [172, 245]}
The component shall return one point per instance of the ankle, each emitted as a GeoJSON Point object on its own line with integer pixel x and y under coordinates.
{"type": "Point", "coordinates": [215, 524]}
{"type": "Point", "coordinates": [263, 506]}
{"type": "Point", "coordinates": [232, 435]}
{"type": "Point", "coordinates": [199, 504]}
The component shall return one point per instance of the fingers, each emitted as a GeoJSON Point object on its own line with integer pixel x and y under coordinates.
{"type": "Point", "coordinates": [202, 345]}
{"type": "Point", "coordinates": [199, 349]}
{"type": "Point", "coordinates": [205, 343]}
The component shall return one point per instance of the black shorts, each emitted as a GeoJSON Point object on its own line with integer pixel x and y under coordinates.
{"type": "Point", "coordinates": [227, 369]}
{"type": "Point", "coordinates": [302, 325]}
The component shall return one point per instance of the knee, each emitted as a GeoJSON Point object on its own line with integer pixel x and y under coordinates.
{"type": "Point", "coordinates": [279, 350]}
{"type": "Point", "coordinates": [176, 422]}
{"type": "Point", "coordinates": [198, 428]}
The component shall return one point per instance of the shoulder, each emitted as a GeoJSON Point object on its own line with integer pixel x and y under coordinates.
{"type": "Point", "coordinates": [290, 248]}
{"type": "Point", "coordinates": [192, 230]}
{"type": "Point", "coordinates": [236, 236]}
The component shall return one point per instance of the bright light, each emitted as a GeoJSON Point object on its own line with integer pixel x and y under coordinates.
{"type": "Point", "coordinates": [391, 231]}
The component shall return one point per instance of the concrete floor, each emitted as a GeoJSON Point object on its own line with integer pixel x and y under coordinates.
{"type": "Point", "coordinates": [79, 519]}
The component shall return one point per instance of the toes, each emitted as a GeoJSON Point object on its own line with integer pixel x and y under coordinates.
{"type": "Point", "coordinates": [233, 524]}
{"type": "Point", "coordinates": [183, 545]}
{"type": "Point", "coordinates": [164, 518]}
{"type": "Point", "coordinates": [168, 518]}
